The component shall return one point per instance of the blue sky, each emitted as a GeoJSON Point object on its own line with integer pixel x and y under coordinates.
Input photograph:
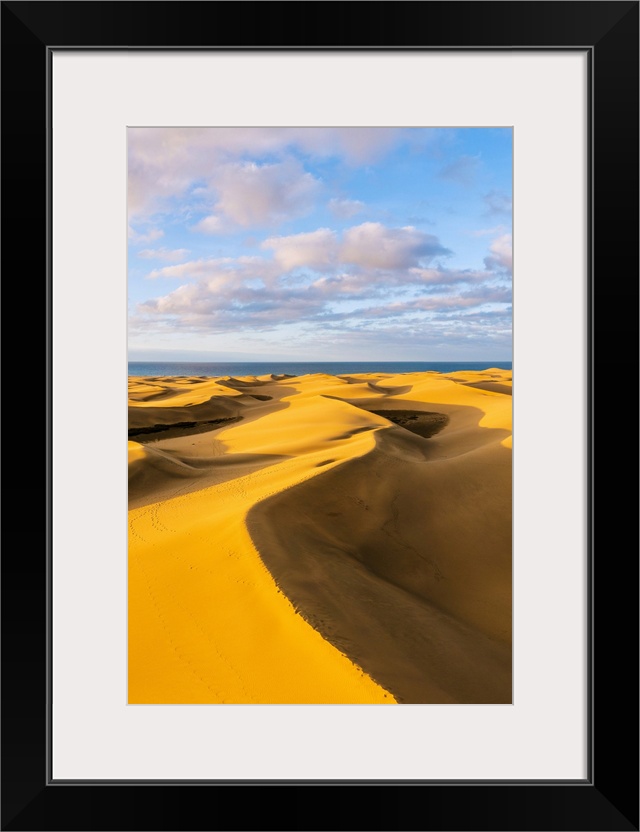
{"type": "Point", "coordinates": [320, 244]}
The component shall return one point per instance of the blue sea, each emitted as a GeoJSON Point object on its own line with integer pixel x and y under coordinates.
{"type": "Point", "coordinates": [301, 368]}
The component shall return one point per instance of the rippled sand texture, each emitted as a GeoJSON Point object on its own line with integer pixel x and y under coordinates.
{"type": "Point", "coordinates": [320, 539]}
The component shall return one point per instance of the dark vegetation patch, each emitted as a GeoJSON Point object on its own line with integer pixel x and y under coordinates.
{"type": "Point", "coordinates": [424, 423]}
{"type": "Point", "coordinates": [180, 428]}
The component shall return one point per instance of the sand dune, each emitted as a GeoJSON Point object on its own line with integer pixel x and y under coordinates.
{"type": "Point", "coordinates": [389, 391]}
{"type": "Point", "coordinates": [492, 386]}
{"type": "Point", "coordinates": [177, 404]}
{"type": "Point", "coordinates": [182, 464]}
{"type": "Point", "coordinates": [346, 539]}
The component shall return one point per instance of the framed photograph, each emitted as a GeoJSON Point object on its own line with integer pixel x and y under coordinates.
{"type": "Point", "coordinates": [294, 261]}
{"type": "Point", "coordinates": [376, 492]}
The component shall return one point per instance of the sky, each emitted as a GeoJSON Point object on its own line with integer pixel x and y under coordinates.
{"type": "Point", "coordinates": [319, 244]}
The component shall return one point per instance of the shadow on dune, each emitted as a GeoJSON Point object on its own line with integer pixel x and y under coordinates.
{"type": "Point", "coordinates": [240, 384]}
{"type": "Point", "coordinates": [402, 560]}
{"type": "Point", "coordinates": [164, 473]}
{"type": "Point", "coordinates": [173, 429]}
{"type": "Point", "coordinates": [389, 391]}
{"type": "Point", "coordinates": [462, 422]}
{"type": "Point", "coordinates": [219, 409]}
{"type": "Point", "coordinates": [183, 457]}
{"type": "Point", "coordinates": [424, 423]}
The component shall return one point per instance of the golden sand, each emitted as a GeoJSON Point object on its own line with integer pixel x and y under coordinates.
{"type": "Point", "coordinates": [287, 544]}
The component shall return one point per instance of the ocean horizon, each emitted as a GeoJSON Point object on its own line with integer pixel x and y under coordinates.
{"type": "Point", "coordinates": [301, 368]}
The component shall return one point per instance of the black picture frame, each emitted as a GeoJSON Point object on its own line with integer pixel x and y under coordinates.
{"type": "Point", "coordinates": [608, 798]}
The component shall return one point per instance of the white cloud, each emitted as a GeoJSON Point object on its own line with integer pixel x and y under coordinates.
{"type": "Point", "coordinates": [445, 304]}
{"type": "Point", "coordinates": [165, 162]}
{"type": "Point", "coordinates": [198, 269]}
{"type": "Point", "coordinates": [227, 296]}
{"type": "Point", "coordinates": [345, 208]}
{"type": "Point", "coordinates": [222, 270]}
{"type": "Point", "coordinates": [252, 194]}
{"type": "Point", "coordinates": [376, 246]}
{"type": "Point", "coordinates": [358, 145]}
{"type": "Point", "coordinates": [363, 278]}
{"type": "Point", "coordinates": [501, 254]}
{"type": "Point", "coordinates": [210, 225]}
{"type": "Point", "coordinates": [140, 239]}
{"type": "Point", "coordinates": [219, 307]}
{"type": "Point", "coordinates": [370, 246]}
{"type": "Point", "coordinates": [316, 249]}
{"type": "Point", "coordinates": [170, 255]}
{"type": "Point", "coordinates": [478, 297]}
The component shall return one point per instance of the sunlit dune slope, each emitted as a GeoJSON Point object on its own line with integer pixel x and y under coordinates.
{"type": "Point", "coordinates": [206, 622]}
{"type": "Point", "coordinates": [315, 550]}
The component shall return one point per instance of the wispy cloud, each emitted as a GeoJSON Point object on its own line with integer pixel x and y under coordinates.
{"type": "Point", "coordinates": [252, 194]}
{"type": "Point", "coordinates": [500, 254]}
{"type": "Point", "coordinates": [447, 277]}
{"type": "Point", "coordinates": [170, 255]}
{"type": "Point", "coordinates": [257, 293]}
{"type": "Point", "coordinates": [139, 238]}
{"type": "Point", "coordinates": [315, 249]}
{"type": "Point", "coordinates": [203, 268]}
{"type": "Point", "coordinates": [498, 202]}
{"type": "Point", "coordinates": [345, 209]}
{"type": "Point", "coordinates": [462, 171]}
{"type": "Point", "coordinates": [164, 163]}
{"type": "Point", "coordinates": [210, 225]}
{"type": "Point", "coordinates": [488, 232]}
{"type": "Point", "coordinates": [370, 245]}
{"type": "Point", "coordinates": [377, 246]}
